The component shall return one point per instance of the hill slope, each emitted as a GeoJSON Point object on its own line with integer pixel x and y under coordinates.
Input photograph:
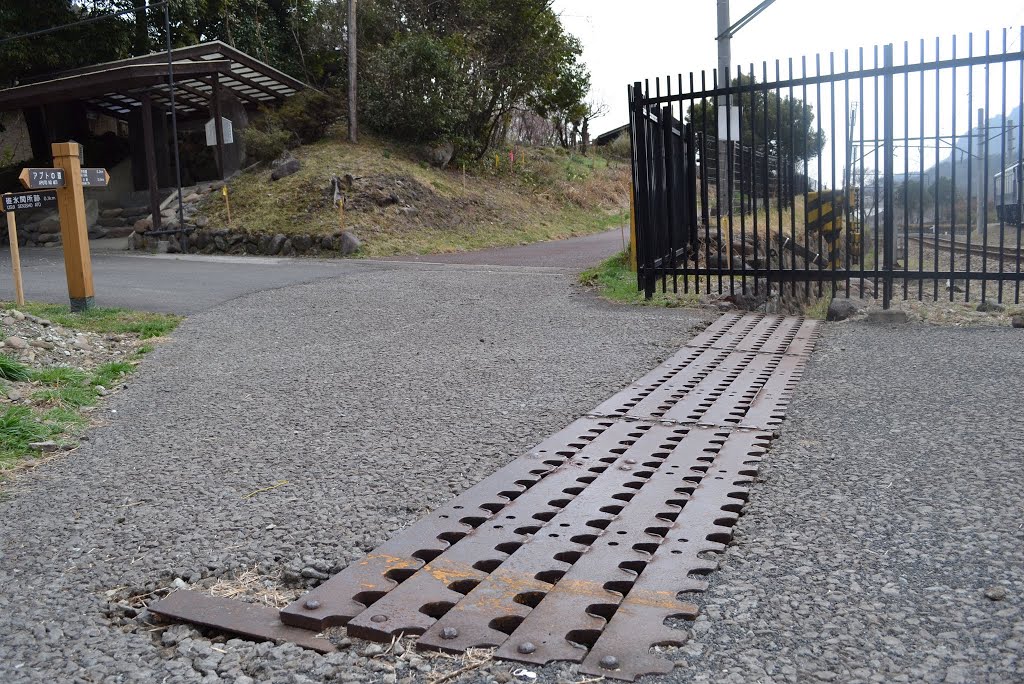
{"type": "Point", "coordinates": [398, 204]}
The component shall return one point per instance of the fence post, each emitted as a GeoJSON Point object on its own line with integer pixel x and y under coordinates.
{"type": "Point", "coordinates": [670, 203]}
{"type": "Point", "coordinates": [887, 183]}
{"type": "Point", "coordinates": [645, 271]}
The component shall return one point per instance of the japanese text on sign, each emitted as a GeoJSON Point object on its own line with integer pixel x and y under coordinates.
{"type": "Point", "coordinates": [29, 200]}
{"type": "Point", "coordinates": [46, 178]}
{"type": "Point", "coordinates": [92, 177]}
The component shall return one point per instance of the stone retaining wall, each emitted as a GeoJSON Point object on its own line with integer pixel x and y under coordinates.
{"type": "Point", "coordinates": [213, 241]}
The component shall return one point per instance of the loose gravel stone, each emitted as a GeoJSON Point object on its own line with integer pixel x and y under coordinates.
{"type": "Point", "coordinates": [884, 512]}
{"type": "Point", "coordinates": [371, 395]}
{"type": "Point", "coordinates": [882, 515]}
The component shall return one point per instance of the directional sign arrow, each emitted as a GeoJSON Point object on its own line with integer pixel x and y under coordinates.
{"type": "Point", "coordinates": [95, 178]}
{"type": "Point", "coordinates": [35, 179]}
{"type": "Point", "coordinates": [22, 201]}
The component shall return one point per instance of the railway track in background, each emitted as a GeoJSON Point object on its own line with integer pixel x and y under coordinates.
{"type": "Point", "coordinates": [959, 247]}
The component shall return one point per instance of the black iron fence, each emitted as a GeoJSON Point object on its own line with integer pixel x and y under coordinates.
{"type": "Point", "coordinates": [867, 174]}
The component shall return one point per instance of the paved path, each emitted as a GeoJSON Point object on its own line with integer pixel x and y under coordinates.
{"type": "Point", "coordinates": [376, 395]}
{"type": "Point", "coordinates": [573, 253]}
{"type": "Point", "coordinates": [173, 283]}
{"type": "Point", "coordinates": [889, 507]}
{"type": "Point", "coordinates": [187, 284]}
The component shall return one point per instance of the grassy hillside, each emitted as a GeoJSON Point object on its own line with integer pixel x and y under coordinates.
{"type": "Point", "coordinates": [399, 204]}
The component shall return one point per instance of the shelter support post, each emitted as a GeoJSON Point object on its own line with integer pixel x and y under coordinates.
{"type": "Point", "coordinates": [218, 125]}
{"type": "Point", "coordinates": [147, 135]}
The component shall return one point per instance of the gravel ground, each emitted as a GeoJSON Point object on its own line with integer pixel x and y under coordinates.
{"type": "Point", "coordinates": [375, 396]}
{"type": "Point", "coordinates": [884, 544]}
{"type": "Point", "coordinates": [889, 507]}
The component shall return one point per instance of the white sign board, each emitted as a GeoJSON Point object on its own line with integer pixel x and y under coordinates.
{"type": "Point", "coordinates": [730, 134]}
{"type": "Point", "coordinates": [211, 132]}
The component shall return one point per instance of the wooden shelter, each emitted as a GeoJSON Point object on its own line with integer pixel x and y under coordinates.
{"type": "Point", "coordinates": [207, 78]}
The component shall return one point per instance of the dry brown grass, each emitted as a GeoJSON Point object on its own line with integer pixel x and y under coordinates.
{"type": "Point", "coordinates": [253, 587]}
{"type": "Point", "coordinates": [550, 195]}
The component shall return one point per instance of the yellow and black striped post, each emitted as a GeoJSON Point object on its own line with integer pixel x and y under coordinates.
{"type": "Point", "coordinates": [825, 216]}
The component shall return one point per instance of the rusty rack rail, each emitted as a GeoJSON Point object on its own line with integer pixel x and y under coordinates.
{"type": "Point", "coordinates": [1007, 253]}
{"type": "Point", "coordinates": [581, 549]}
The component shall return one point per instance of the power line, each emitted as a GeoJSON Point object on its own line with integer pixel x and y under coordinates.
{"type": "Point", "coordinates": [81, 22]}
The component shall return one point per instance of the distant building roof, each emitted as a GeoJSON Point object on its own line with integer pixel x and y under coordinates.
{"type": "Point", "coordinates": [113, 87]}
{"type": "Point", "coordinates": [609, 136]}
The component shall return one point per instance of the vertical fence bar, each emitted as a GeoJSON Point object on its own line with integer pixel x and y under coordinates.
{"type": "Point", "coordinates": [938, 135]}
{"type": "Point", "coordinates": [669, 202]}
{"type": "Point", "coordinates": [847, 171]}
{"type": "Point", "coordinates": [817, 108]}
{"type": "Point", "coordinates": [690, 187]}
{"type": "Point", "coordinates": [779, 173]}
{"type": "Point", "coordinates": [806, 180]}
{"type": "Point", "coordinates": [906, 166]}
{"type": "Point", "coordinates": [753, 174]}
{"type": "Point", "coordinates": [862, 214]}
{"type": "Point", "coordinates": [952, 182]}
{"type": "Point", "coordinates": [920, 189]}
{"type": "Point", "coordinates": [837, 198]}
{"type": "Point", "coordinates": [1018, 192]}
{"type": "Point", "coordinates": [888, 163]}
{"type": "Point", "coordinates": [705, 169]}
{"type": "Point", "coordinates": [642, 200]}
{"type": "Point", "coordinates": [792, 176]}
{"type": "Point", "coordinates": [1002, 176]}
{"type": "Point", "coordinates": [731, 175]}
{"type": "Point", "coordinates": [718, 185]}
{"type": "Point", "coordinates": [659, 186]}
{"type": "Point", "coordinates": [767, 199]}
{"type": "Point", "coordinates": [983, 197]}
{"type": "Point", "coordinates": [970, 164]}
{"type": "Point", "coordinates": [631, 94]}
{"type": "Point", "coordinates": [741, 114]}
{"type": "Point", "coordinates": [877, 251]}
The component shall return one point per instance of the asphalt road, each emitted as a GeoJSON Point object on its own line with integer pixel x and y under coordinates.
{"type": "Point", "coordinates": [573, 253]}
{"type": "Point", "coordinates": [183, 284]}
{"type": "Point", "coordinates": [188, 284]}
{"type": "Point", "coordinates": [375, 396]}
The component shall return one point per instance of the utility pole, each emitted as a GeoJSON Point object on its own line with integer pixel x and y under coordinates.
{"type": "Point", "coordinates": [724, 37]}
{"type": "Point", "coordinates": [724, 73]}
{"type": "Point", "coordinates": [352, 123]}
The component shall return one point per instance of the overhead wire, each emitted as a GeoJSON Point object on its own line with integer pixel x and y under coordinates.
{"type": "Point", "coordinates": [90, 20]}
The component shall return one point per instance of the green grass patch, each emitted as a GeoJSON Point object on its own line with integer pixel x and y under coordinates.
{"type": "Point", "coordinates": [818, 308]}
{"type": "Point", "coordinates": [109, 373]}
{"type": "Point", "coordinates": [145, 324]}
{"type": "Point", "coordinates": [19, 427]}
{"type": "Point", "coordinates": [12, 369]}
{"type": "Point", "coordinates": [59, 393]}
{"type": "Point", "coordinates": [615, 281]}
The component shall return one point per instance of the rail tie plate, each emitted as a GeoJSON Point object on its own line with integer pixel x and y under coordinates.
{"type": "Point", "coordinates": [578, 550]}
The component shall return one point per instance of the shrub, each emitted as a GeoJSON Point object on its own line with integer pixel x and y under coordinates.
{"type": "Point", "coordinates": [620, 148]}
{"type": "Point", "coordinates": [265, 145]}
{"type": "Point", "coordinates": [308, 115]}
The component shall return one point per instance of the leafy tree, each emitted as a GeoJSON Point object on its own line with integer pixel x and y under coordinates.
{"type": "Point", "coordinates": [941, 191]}
{"type": "Point", "coordinates": [561, 99]}
{"type": "Point", "coordinates": [74, 46]}
{"type": "Point", "coordinates": [790, 135]}
{"type": "Point", "coordinates": [457, 69]}
{"type": "Point", "coordinates": [908, 194]}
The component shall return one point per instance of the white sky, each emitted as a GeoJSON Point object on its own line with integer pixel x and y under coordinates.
{"type": "Point", "coordinates": [630, 41]}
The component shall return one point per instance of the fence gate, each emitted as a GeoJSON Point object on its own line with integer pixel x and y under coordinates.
{"type": "Point", "coordinates": [867, 174]}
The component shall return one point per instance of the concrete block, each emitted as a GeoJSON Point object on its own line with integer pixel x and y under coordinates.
{"type": "Point", "coordinates": [887, 316]}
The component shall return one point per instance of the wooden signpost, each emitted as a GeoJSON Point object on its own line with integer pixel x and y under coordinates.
{"type": "Point", "coordinates": [60, 186]}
